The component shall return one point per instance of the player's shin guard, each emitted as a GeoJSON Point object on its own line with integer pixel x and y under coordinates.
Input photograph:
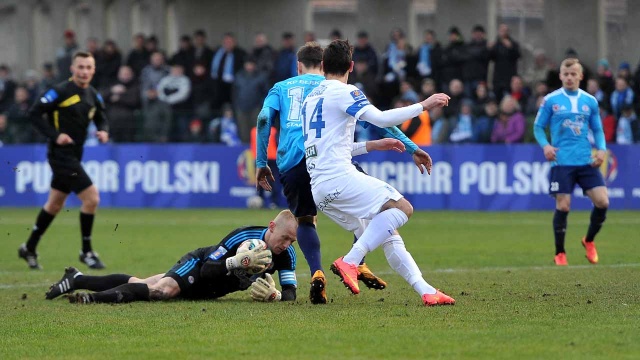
{"type": "Point", "coordinates": [123, 294]}
{"type": "Point", "coordinates": [309, 243]}
{"type": "Point", "coordinates": [100, 283]}
{"type": "Point", "coordinates": [402, 262]}
{"type": "Point", "coordinates": [598, 216]}
{"type": "Point", "coordinates": [560, 229]}
{"type": "Point", "coordinates": [380, 228]}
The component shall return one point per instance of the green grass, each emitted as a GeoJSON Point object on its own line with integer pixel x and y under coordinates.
{"type": "Point", "coordinates": [511, 301]}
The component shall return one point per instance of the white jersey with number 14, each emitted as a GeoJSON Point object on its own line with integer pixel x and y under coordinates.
{"type": "Point", "coordinates": [330, 113]}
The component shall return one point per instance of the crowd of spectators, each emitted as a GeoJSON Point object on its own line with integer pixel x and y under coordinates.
{"type": "Point", "coordinates": [213, 94]}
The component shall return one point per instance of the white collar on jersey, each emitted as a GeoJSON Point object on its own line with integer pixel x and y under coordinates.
{"type": "Point", "coordinates": [566, 94]}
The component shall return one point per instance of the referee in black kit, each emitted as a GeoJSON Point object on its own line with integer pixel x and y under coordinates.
{"type": "Point", "coordinates": [69, 107]}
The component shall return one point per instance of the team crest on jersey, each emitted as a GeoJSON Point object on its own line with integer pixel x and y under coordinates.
{"type": "Point", "coordinates": [575, 126]}
{"type": "Point", "coordinates": [585, 108]}
{"type": "Point", "coordinates": [556, 107]}
{"type": "Point", "coordinates": [218, 254]}
{"type": "Point", "coordinates": [358, 95]}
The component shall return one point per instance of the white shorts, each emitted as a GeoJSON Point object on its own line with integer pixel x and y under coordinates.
{"type": "Point", "coordinates": [352, 199]}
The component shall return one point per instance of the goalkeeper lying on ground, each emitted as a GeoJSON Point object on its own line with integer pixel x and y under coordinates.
{"type": "Point", "coordinates": [205, 273]}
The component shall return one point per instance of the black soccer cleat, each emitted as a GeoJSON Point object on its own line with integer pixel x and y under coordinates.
{"type": "Point", "coordinates": [65, 285]}
{"type": "Point", "coordinates": [91, 259]}
{"type": "Point", "coordinates": [31, 257]}
{"type": "Point", "coordinates": [80, 298]}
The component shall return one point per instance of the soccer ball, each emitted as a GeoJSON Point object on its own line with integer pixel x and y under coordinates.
{"type": "Point", "coordinates": [250, 245]}
{"type": "Point", "coordinates": [254, 202]}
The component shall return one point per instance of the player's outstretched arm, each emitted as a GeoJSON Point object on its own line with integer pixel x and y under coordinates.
{"type": "Point", "coordinates": [394, 133]}
{"type": "Point", "coordinates": [364, 147]}
{"type": "Point", "coordinates": [397, 116]}
{"type": "Point", "coordinates": [385, 144]}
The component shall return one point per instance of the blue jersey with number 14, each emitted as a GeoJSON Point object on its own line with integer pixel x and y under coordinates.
{"type": "Point", "coordinates": [286, 98]}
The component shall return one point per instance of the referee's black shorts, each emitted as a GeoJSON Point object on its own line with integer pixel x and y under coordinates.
{"type": "Point", "coordinates": [70, 180]}
{"type": "Point", "coordinates": [68, 173]}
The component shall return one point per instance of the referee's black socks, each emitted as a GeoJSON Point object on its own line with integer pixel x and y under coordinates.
{"type": "Point", "coordinates": [43, 221]}
{"type": "Point", "coordinates": [86, 225]}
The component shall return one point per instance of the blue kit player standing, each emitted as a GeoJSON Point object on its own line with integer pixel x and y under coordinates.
{"type": "Point", "coordinates": [569, 113]}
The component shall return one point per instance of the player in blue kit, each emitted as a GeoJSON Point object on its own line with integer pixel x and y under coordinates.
{"type": "Point", "coordinates": [285, 99]}
{"type": "Point", "coordinates": [569, 113]}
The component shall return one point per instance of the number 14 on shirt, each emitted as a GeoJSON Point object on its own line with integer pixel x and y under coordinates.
{"type": "Point", "coordinates": [315, 122]}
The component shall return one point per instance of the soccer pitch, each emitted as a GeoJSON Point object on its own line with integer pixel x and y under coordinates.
{"type": "Point", "coordinates": [512, 302]}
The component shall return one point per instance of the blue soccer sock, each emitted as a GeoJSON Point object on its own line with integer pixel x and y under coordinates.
{"type": "Point", "coordinates": [598, 216]}
{"type": "Point", "coordinates": [560, 229]}
{"type": "Point", "coordinates": [309, 243]}
{"type": "Point", "coordinates": [354, 241]}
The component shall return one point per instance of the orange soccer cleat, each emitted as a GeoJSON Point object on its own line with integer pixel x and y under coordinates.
{"type": "Point", "coordinates": [370, 279]}
{"type": "Point", "coordinates": [348, 273]}
{"type": "Point", "coordinates": [439, 298]}
{"type": "Point", "coordinates": [592, 253]}
{"type": "Point", "coordinates": [561, 259]}
{"type": "Point", "coordinates": [317, 292]}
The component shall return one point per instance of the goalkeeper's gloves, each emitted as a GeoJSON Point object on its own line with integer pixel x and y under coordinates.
{"type": "Point", "coordinates": [256, 259]}
{"type": "Point", "coordinates": [265, 289]}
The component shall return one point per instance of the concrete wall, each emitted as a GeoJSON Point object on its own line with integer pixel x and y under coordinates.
{"type": "Point", "coordinates": [324, 23]}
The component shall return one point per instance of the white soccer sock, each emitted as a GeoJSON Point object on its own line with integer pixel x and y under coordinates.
{"type": "Point", "coordinates": [402, 262]}
{"type": "Point", "coordinates": [378, 230]}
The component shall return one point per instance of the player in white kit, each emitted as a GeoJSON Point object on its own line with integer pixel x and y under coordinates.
{"type": "Point", "coordinates": [362, 204]}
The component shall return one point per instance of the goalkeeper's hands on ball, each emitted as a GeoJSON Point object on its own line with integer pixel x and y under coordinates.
{"type": "Point", "coordinates": [256, 260]}
{"type": "Point", "coordinates": [265, 289]}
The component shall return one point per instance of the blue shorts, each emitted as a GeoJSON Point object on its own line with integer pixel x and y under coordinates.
{"type": "Point", "coordinates": [296, 185]}
{"type": "Point", "coordinates": [562, 179]}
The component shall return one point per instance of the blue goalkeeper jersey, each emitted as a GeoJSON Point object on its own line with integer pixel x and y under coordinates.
{"type": "Point", "coordinates": [286, 98]}
{"type": "Point", "coordinates": [569, 115]}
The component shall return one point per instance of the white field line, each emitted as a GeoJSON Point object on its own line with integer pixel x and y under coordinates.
{"type": "Point", "coordinates": [389, 272]}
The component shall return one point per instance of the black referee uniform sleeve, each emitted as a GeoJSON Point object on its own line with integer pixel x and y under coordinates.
{"type": "Point", "coordinates": [100, 118]}
{"type": "Point", "coordinates": [46, 104]}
